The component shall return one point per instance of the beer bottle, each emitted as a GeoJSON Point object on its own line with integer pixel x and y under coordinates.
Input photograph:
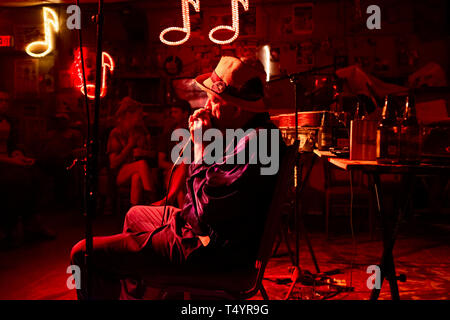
{"type": "Point", "coordinates": [325, 134]}
{"type": "Point", "coordinates": [410, 133]}
{"type": "Point", "coordinates": [360, 113]}
{"type": "Point", "coordinates": [388, 135]}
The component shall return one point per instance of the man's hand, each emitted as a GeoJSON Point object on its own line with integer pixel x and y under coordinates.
{"type": "Point", "coordinates": [199, 121]}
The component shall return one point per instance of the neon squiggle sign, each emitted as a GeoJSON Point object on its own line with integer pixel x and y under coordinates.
{"type": "Point", "coordinates": [186, 23]}
{"type": "Point", "coordinates": [50, 21]}
{"type": "Point", "coordinates": [234, 27]}
{"type": "Point", "coordinates": [107, 64]}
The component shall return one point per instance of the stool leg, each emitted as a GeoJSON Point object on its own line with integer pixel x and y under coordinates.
{"type": "Point", "coordinates": [372, 219]}
{"type": "Point", "coordinates": [264, 292]}
{"type": "Point", "coordinates": [327, 214]}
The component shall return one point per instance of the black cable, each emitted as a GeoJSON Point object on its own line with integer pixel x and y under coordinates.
{"type": "Point", "coordinates": [167, 194]}
{"type": "Point", "coordinates": [170, 179]}
{"type": "Point", "coordinates": [86, 102]}
{"type": "Point", "coordinates": [83, 71]}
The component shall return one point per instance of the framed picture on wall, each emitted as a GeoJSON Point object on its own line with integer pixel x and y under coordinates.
{"type": "Point", "coordinates": [248, 22]}
{"type": "Point", "coordinates": [305, 54]}
{"type": "Point", "coordinates": [303, 18]}
{"type": "Point", "coordinates": [26, 77]}
{"type": "Point", "coordinates": [197, 24]}
{"type": "Point", "coordinates": [25, 34]}
{"type": "Point", "coordinates": [287, 25]}
{"type": "Point", "coordinates": [219, 20]}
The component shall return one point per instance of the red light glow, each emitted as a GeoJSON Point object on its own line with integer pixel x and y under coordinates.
{"type": "Point", "coordinates": [107, 64]}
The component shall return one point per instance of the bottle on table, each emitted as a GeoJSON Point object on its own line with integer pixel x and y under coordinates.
{"type": "Point", "coordinates": [388, 134]}
{"type": "Point", "coordinates": [325, 134]}
{"type": "Point", "coordinates": [410, 133]}
{"type": "Point", "coordinates": [360, 113]}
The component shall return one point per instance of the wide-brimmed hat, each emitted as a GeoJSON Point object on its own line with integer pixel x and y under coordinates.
{"type": "Point", "coordinates": [237, 81]}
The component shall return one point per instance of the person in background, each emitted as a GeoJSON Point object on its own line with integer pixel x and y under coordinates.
{"type": "Point", "coordinates": [129, 149]}
{"type": "Point", "coordinates": [8, 136]}
{"type": "Point", "coordinates": [179, 115]}
{"type": "Point", "coordinates": [19, 178]}
{"type": "Point", "coordinates": [57, 152]}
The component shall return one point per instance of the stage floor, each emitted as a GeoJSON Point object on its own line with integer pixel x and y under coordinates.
{"type": "Point", "coordinates": [38, 270]}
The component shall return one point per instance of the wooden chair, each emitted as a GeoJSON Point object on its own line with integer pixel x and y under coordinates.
{"type": "Point", "coordinates": [235, 284]}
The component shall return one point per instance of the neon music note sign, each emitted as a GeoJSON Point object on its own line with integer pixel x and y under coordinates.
{"type": "Point", "coordinates": [107, 63]}
{"type": "Point", "coordinates": [186, 23]}
{"type": "Point", "coordinates": [234, 27]}
{"type": "Point", "coordinates": [50, 21]}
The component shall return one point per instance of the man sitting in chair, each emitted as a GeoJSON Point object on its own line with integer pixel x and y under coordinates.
{"type": "Point", "coordinates": [222, 220]}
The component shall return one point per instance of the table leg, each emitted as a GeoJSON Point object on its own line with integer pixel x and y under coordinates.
{"type": "Point", "coordinates": [387, 266]}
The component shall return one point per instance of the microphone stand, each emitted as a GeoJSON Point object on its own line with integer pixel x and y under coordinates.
{"type": "Point", "coordinates": [91, 171]}
{"type": "Point", "coordinates": [298, 275]}
{"type": "Point", "coordinates": [293, 77]}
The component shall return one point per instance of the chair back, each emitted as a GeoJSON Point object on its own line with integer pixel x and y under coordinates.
{"type": "Point", "coordinates": [284, 179]}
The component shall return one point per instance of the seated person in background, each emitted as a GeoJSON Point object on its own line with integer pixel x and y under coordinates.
{"type": "Point", "coordinates": [57, 153]}
{"type": "Point", "coordinates": [129, 149]}
{"type": "Point", "coordinates": [221, 223]}
{"type": "Point", "coordinates": [19, 186]}
{"type": "Point", "coordinates": [179, 115]}
{"type": "Point", "coordinates": [8, 137]}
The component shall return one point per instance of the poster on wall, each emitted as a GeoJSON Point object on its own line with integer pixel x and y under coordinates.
{"type": "Point", "coordinates": [248, 22]}
{"type": "Point", "coordinates": [24, 34]}
{"type": "Point", "coordinates": [219, 20]}
{"type": "Point", "coordinates": [286, 26]}
{"type": "Point", "coordinates": [26, 76]}
{"type": "Point", "coordinates": [196, 19]}
{"type": "Point", "coordinates": [305, 55]}
{"type": "Point", "coordinates": [303, 18]}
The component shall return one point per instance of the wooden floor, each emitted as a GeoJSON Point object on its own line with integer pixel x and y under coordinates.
{"type": "Point", "coordinates": [39, 270]}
